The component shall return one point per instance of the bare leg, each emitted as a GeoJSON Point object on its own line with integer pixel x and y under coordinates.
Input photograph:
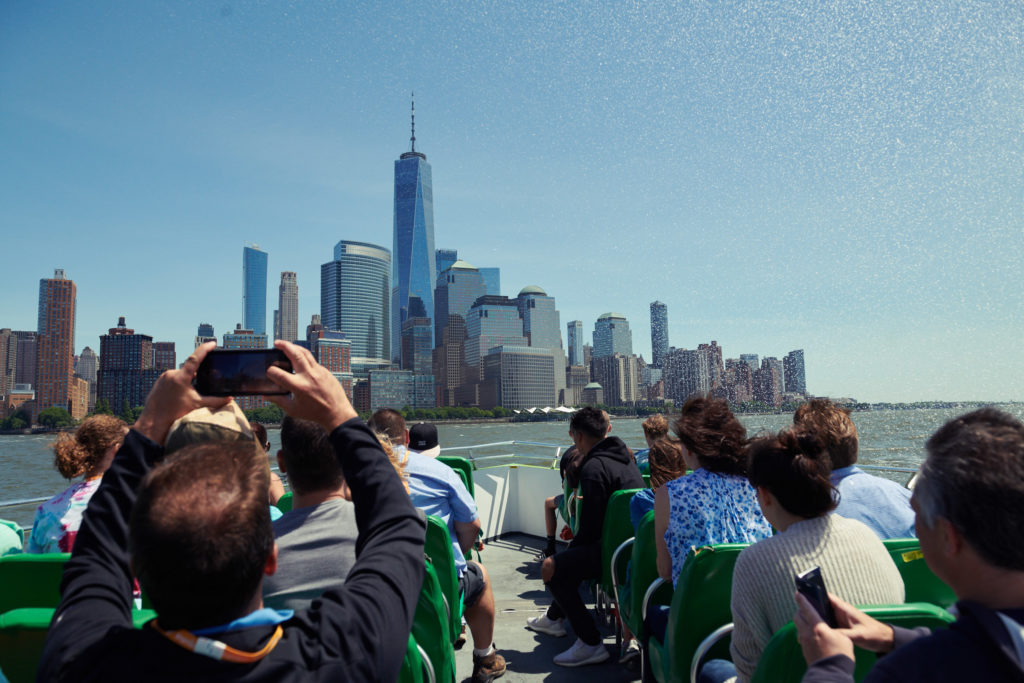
{"type": "Point", "coordinates": [480, 616]}
{"type": "Point", "coordinates": [549, 515]}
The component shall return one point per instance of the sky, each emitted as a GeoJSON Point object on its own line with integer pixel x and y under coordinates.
{"type": "Point", "coordinates": [841, 177]}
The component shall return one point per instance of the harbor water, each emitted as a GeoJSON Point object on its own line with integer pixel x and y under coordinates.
{"type": "Point", "coordinates": [887, 438]}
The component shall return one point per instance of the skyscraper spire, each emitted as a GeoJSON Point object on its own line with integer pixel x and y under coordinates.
{"type": "Point", "coordinates": [413, 139]}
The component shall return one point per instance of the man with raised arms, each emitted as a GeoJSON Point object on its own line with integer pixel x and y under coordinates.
{"type": "Point", "coordinates": [200, 542]}
{"type": "Point", "coordinates": [969, 502]}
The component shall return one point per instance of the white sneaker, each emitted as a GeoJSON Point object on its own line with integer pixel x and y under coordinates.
{"type": "Point", "coordinates": [630, 651]}
{"type": "Point", "coordinates": [580, 654]}
{"type": "Point", "coordinates": [551, 627]}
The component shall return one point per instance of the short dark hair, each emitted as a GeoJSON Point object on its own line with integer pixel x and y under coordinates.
{"type": "Point", "coordinates": [590, 421]}
{"type": "Point", "coordinates": [974, 477]}
{"type": "Point", "coordinates": [200, 533]}
{"type": "Point", "coordinates": [259, 432]}
{"type": "Point", "coordinates": [712, 433]}
{"type": "Point", "coordinates": [309, 457]}
{"type": "Point", "coordinates": [831, 424]}
{"type": "Point", "coordinates": [390, 423]}
{"type": "Point", "coordinates": [794, 467]}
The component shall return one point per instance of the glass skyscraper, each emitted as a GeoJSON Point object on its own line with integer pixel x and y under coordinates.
{"type": "Point", "coordinates": [659, 332]}
{"type": "Point", "coordinates": [575, 330]}
{"type": "Point", "coordinates": [543, 328]}
{"type": "Point", "coordinates": [254, 289]}
{"type": "Point", "coordinates": [612, 335]}
{"type": "Point", "coordinates": [414, 273]}
{"type": "Point", "coordinates": [354, 298]}
{"type": "Point", "coordinates": [457, 288]}
{"type": "Point", "coordinates": [492, 321]}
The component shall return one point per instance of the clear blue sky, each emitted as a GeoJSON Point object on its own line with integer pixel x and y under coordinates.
{"type": "Point", "coordinates": [846, 178]}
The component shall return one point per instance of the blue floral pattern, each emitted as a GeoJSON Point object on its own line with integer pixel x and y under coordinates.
{"type": "Point", "coordinates": [708, 508]}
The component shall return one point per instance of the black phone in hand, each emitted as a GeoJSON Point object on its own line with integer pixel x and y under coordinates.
{"type": "Point", "coordinates": [812, 586]}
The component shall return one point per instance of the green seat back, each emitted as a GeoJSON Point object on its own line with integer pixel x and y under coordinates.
{"type": "Point", "coordinates": [284, 503]}
{"type": "Point", "coordinates": [31, 580]}
{"type": "Point", "coordinates": [439, 549]}
{"type": "Point", "coordinates": [412, 664]}
{"type": "Point", "coordinates": [617, 528]}
{"type": "Point", "coordinates": [23, 634]}
{"type": "Point", "coordinates": [643, 570]}
{"type": "Point", "coordinates": [430, 624]}
{"type": "Point", "coordinates": [700, 604]}
{"type": "Point", "coordinates": [463, 467]}
{"type": "Point", "coordinates": [919, 580]}
{"type": "Point", "coordinates": [647, 480]}
{"type": "Point", "coordinates": [783, 662]}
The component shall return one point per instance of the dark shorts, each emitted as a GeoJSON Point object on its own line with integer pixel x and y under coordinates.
{"type": "Point", "coordinates": [472, 584]}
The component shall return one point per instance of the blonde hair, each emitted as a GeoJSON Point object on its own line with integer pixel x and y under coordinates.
{"type": "Point", "coordinates": [81, 452]}
{"type": "Point", "coordinates": [655, 427]}
{"type": "Point", "coordinates": [385, 443]}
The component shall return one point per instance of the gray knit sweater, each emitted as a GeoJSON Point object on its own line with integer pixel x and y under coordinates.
{"type": "Point", "coordinates": [854, 564]}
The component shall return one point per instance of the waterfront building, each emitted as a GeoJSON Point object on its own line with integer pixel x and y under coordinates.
{"type": "Point", "coordinates": [751, 360]}
{"type": "Point", "coordinates": [55, 344]}
{"type": "Point", "coordinates": [492, 280]}
{"type": "Point", "coordinates": [793, 372]}
{"type": "Point", "coordinates": [205, 334]}
{"type": "Point", "coordinates": [254, 289]}
{"type": "Point", "coordinates": [449, 363]}
{"type": "Point", "coordinates": [575, 339]}
{"type": "Point", "coordinates": [417, 356]}
{"type": "Point", "coordinates": [334, 352]}
{"type": "Point", "coordinates": [20, 395]}
{"type": "Point", "coordinates": [354, 299]}
{"type": "Point", "coordinates": [518, 377]}
{"type": "Point", "coordinates": [686, 373]}
{"type": "Point", "coordinates": [659, 332]}
{"type": "Point", "coordinates": [8, 360]}
{"type": "Point", "coordinates": [611, 336]}
{"type": "Point", "coordinates": [444, 258]}
{"type": "Point", "coordinates": [577, 377]}
{"type": "Point", "coordinates": [413, 273]}
{"type": "Point", "coordinates": [617, 375]}
{"type": "Point", "coordinates": [164, 356]}
{"type": "Point", "coordinates": [286, 322]}
{"type": "Point", "coordinates": [391, 389]}
{"type": "Point", "coordinates": [593, 394]}
{"type": "Point", "coordinates": [738, 381]}
{"type": "Point", "coordinates": [588, 354]}
{"type": "Point", "coordinates": [457, 288]}
{"type": "Point", "coordinates": [769, 383]}
{"type": "Point", "coordinates": [542, 328]}
{"type": "Point", "coordinates": [716, 367]}
{"type": "Point", "coordinates": [25, 367]}
{"type": "Point", "coordinates": [126, 373]}
{"type": "Point", "coordinates": [492, 321]}
{"type": "Point", "coordinates": [87, 368]}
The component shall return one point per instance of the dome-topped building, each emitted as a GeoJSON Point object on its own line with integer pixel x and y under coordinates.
{"type": "Point", "coordinates": [532, 289]}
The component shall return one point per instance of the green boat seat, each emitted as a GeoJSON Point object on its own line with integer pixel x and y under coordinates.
{"type": "Point", "coordinates": [700, 604]}
{"type": "Point", "coordinates": [616, 529]}
{"type": "Point", "coordinates": [23, 634]}
{"type": "Point", "coordinates": [413, 667]}
{"type": "Point", "coordinates": [464, 468]}
{"type": "Point", "coordinates": [284, 503]}
{"type": "Point", "coordinates": [642, 560]}
{"type": "Point", "coordinates": [919, 581]}
{"type": "Point", "coordinates": [783, 662]}
{"type": "Point", "coordinates": [31, 580]}
{"type": "Point", "coordinates": [430, 624]}
{"type": "Point", "coordinates": [439, 549]}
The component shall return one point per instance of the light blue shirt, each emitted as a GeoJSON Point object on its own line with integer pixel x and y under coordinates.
{"type": "Point", "coordinates": [436, 489]}
{"type": "Point", "coordinates": [881, 504]}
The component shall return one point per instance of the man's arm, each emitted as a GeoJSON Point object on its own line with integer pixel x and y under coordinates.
{"type": "Point", "coordinates": [96, 589]}
{"type": "Point", "coordinates": [466, 533]}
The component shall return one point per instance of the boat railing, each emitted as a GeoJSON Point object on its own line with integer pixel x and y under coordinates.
{"type": "Point", "coordinates": [510, 454]}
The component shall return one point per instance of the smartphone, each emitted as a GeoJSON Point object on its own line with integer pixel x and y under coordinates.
{"type": "Point", "coordinates": [231, 372]}
{"type": "Point", "coordinates": [811, 586]}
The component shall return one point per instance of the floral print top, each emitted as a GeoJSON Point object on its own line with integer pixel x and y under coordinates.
{"type": "Point", "coordinates": [57, 520]}
{"type": "Point", "coordinates": [708, 508]}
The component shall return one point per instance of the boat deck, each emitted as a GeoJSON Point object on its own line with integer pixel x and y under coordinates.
{"type": "Point", "coordinates": [518, 595]}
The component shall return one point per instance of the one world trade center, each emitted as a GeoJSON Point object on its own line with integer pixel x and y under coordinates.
{"type": "Point", "coordinates": [413, 269]}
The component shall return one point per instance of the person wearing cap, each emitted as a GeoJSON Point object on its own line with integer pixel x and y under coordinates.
{"type": "Point", "coordinates": [423, 440]}
{"type": "Point", "coordinates": [200, 541]}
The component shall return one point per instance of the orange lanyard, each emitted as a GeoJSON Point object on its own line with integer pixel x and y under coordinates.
{"type": "Point", "coordinates": [216, 649]}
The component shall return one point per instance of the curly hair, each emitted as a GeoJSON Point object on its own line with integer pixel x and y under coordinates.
{"type": "Point", "coordinates": [831, 424]}
{"type": "Point", "coordinates": [712, 433]}
{"type": "Point", "coordinates": [79, 453]}
{"type": "Point", "coordinates": [655, 427]}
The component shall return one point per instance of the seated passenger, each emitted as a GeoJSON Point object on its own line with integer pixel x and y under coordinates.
{"type": "Point", "coordinates": [655, 427]}
{"type": "Point", "coordinates": [423, 440]}
{"type": "Point", "coordinates": [568, 468]}
{"type": "Point", "coordinates": [276, 490]}
{"type": "Point", "coordinates": [881, 504]}
{"type": "Point", "coordinates": [437, 490]}
{"type": "Point", "coordinates": [665, 459]}
{"type": "Point", "coordinates": [791, 473]}
{"type": "Point", "coordinates": [200, 541]}
{"type": "Point", "coordinates": [713, 504]}
{"type": "Point", "coordinates": [608, 466]}
{"type": "Point", "coordinates": [970, 512]}
{"type": "Point", "coordinates": [316, 540]}
{"type": "Point", "coordinates": [88, 453]}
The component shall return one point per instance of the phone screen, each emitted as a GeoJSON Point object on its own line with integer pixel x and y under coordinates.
{"type": "Point", "coordinates": [229, 372]}
{"type": "Point", "coordinates": [812, 586]}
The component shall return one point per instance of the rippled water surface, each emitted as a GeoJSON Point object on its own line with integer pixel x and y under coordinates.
{"type": "Point", "coordinates": [891, 438]}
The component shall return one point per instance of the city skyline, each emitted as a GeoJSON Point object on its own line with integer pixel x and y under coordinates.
{"type": "Point", "coordinates": [868, 214]}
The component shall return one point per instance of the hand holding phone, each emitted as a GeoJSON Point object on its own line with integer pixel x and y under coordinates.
{"type": "Point", "coordinates": [812, 586]}
{"type": "Point", "coordinates": [231, 372]}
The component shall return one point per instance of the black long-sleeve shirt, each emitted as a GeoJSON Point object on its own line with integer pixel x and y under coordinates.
{"type": "Point", "coordinates": [355, 632]}
{"type": "Point", "coordinates": [607, 468]}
